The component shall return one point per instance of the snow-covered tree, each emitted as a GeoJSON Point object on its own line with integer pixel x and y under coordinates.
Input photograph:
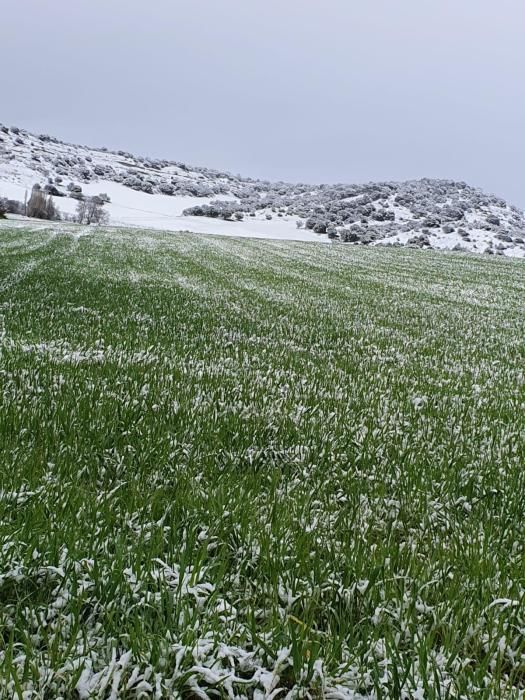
{"type": "Point", "coordinates": [41, 206]}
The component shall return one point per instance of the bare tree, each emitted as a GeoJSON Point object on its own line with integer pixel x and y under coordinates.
{"type": "Point", "coordinates": [91, 211]}
{"type": "Point", "coordinates": [81, 211]}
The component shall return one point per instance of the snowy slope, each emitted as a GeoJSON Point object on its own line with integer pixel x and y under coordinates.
{"type": "Point", "coordinates": [26, 159]}
{"type": "Point", "coordinates": [172, 196]}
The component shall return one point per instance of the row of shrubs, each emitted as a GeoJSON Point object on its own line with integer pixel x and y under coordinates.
{"type": "Point", "coordinates": [379, 207]}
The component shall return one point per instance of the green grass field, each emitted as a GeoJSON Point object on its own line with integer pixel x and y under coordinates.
{"type": "Point", "coordinates": [259, 469]}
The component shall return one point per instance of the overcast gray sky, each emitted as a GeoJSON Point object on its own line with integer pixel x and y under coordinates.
{"type": "Point", "coordinates": [310, 90]}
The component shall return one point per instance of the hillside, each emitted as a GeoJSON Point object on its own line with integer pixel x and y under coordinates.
{"type": "Point", "coordinates": [170, 195]}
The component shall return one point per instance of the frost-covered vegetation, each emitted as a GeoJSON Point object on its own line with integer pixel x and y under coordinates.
{"type": "Point", "coordinates": [236, 468]}
{"type": "Point", "coordinates": [424, 213]}
{"type": "Point", "coordinates": [418, 213]}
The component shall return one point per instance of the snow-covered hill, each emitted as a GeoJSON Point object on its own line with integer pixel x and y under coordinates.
{"type": "Point", "coordinates": [170, 195]}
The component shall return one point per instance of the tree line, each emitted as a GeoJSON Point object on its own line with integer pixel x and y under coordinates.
{"type": "Point", "coordinates": [40, 205]}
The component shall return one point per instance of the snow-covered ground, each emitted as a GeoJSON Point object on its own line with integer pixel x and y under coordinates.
{"type": "Point", "coordinates": [278, 229]}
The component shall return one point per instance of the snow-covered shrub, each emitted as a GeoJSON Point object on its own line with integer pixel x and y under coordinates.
{"type": "Point", "coordinates": [52, 190]}
{"type": "Point", "coordinates": [449, 213]}
{"type": "Point", "coordinates": [133, 182]}
{"type": "Point", "coordinates": [166, 188]}
{"type": "Point", "coordinates": [310, 223]}
{"type": "Point", "coordinates": [432, 222]}
{"type": "Point", "coordinates": [320, 227]}
{"type": "Point", "coordinates": [383, 215]}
